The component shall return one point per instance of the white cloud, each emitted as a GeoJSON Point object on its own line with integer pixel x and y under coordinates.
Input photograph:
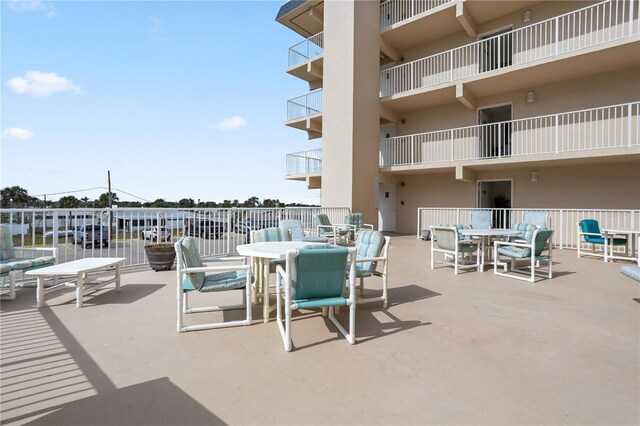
{"type": "Point", "coordinates": [157, 24]}
{"type": "Point", "coordinates": [234, 122]}
{"type": "Point", "coordinates": [17, 134]}
{"type": "Point", "coordinates": [38, 83]}
{"type": "Point", "coordinates": [29, 6]}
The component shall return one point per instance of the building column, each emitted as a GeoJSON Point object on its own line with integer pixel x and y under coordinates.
{"type": "Point", "coordinates": [350, 116]}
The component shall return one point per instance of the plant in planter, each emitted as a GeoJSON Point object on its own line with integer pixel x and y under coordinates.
{"type": "Point", "coordinates": [161, 256]}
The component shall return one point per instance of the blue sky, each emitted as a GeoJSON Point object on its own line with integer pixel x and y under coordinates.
{"type": "Point", "coordinates": [177, 99]}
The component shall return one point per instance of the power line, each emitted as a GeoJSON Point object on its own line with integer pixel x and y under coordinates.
{"type": "Point", "coordinates": [92, 189]}
{"type": "Point", "coordinates": [69, 192]}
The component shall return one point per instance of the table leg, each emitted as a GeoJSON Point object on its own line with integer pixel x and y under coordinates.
{"type": "Point", "coordinates": [606, 246]}
{"type": "Point", "coordinates": [265, 289]}
{"type": "Point", "coordinates": [482, 253]}
{"type": "Point", "coordinates": [40, 292]}
{"type": "Point", "coordinates": [117, 277]}
{"type": "Point", "coordinates": [79, 289]}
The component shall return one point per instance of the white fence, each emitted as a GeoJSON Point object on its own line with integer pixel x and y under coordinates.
{"type": "Point", "coordinates": [613, 126]}
{"type": "Point", "coordinates": [304, 162]}
{"type": "Point", "coordinates": [304, 106]}
{"type": "Point", "coordinates": [562, 221]}
{"type": "Point", "coordinates": [601, 23]}
{"type": "Point", "coordinates": [394, 11]}
{"type": "Point", "coordinates": [57, 227]}
{"type": "Point", "coordinates": [307, 49]}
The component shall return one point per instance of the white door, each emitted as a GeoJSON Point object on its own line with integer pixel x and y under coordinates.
{"type": "Point", "coordinates": [387, 208]}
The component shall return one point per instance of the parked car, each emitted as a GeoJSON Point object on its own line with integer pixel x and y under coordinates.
{"type": "Point", "coordinates": [246, 226]}
{"type": "Point", "coordinates": [152, 233]}
{"type": "Point", "coordinates": [91, 235]}
{"type": "Point", "coordinates": [205, 228]}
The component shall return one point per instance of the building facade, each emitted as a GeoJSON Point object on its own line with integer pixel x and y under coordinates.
{"type": "Point", "coordinates": [466, 103]}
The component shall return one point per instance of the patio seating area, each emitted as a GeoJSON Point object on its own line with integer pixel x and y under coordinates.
{"type": "Point", "coordinates": [472, 348]}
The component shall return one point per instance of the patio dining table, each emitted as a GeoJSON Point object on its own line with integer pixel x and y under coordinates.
{"type": "Point", "coordinates": [610, 233]}
{"type": "Point", "coordinates": [264, 252]}
{"type": "Point", "coordinates": [485, 236]}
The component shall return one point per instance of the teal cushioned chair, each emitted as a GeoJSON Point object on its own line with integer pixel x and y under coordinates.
{"type": "Point", "coordinates": [372, 249]}
{"type": "Point", "coordinates": [457, 252]}
{"type": "Point", "coordinates": [481, 219]}
{"type": "Point", "coordinates": [11, 266]}
{"type": "Point", "coordinates": [296, 231]}
{"type": "Point", "coordinates": [537, 248]}
{"type": "Point", "coordinates": [354, 222]}
{"type": "Point", "coordinates": [192, 276]}
{"type": "Point", "coordinates": [314, 278]}
{"type": "Point", "coordinates": [326, 229]}
{"type": "Point", "coordinates": [266, 235]}
{"type": "Point", "coordinates": [589, 231]}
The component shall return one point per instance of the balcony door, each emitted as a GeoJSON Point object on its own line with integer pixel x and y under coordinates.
{"type": "Point", "coordinates": [494, 131]}
{"type": "Point", "coordinates": [496, 50]}
{"type": "Point", "coordinates": [496, 195]}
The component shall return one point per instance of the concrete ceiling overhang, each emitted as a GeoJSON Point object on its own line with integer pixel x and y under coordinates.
{"type": "Point", "coordinates": [305, 17]}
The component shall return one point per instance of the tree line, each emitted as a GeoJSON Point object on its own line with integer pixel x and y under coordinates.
{"type": "Point", "coordinates": [18, 197]}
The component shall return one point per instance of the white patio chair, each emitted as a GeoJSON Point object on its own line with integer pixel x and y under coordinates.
{"type": "Point", "coordinates": [532, 251]}
{"type": "Point", "coordinates": [191, 278]}
{"type": "Point", "coordinates": [457, 253]}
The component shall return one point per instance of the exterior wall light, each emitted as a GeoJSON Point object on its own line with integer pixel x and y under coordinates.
{"type": "Point", "coordinates": [534, 176]}
{"type": "Point", "coordinates": [526, 17]}
{"type": "Point", "coordinates": [531, 97]}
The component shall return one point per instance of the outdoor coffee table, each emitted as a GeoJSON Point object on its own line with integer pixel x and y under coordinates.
{"type": "Point", "coordinates": [264, 252]}
{"type": "Point", "coordinates": [485, 236]}
{"type": "Point", "coordinates": [81, 269]}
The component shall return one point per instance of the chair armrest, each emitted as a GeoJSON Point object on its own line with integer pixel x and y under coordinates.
{"type": "Point", "coordinates": [370, 259]}
{"type": "Point", "coordinates": [242, 259]}
{"type": "Point", "coordinates": [215, 268]}
{"type": "Point", "coordinates": [511, 243]}
{"type": "Point", "coordinates": [53, 250]}
{"type": "Point", "coordinates": [590, 233]}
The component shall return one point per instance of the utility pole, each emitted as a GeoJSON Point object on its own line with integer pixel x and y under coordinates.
{"type": "Point", "coordinates": [110, 201]}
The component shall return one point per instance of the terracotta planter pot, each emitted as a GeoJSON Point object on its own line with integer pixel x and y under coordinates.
{"type": "Point", "coordinates": [161, 256]}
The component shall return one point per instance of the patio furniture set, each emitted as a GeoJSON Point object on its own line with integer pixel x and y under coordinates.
{"type": "Point", "coordinates": [310, 274]}
{"type": "Point", "coordinates": [478, 244]}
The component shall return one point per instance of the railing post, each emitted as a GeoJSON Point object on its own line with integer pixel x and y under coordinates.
{"type": "Point", "coordinates": [452, 146]}
{"type": "Point", "coordinates": [557, 131]}
{"type": "Point", "coordinates": [451, 64]}
{"type": "Point", "coordinates": [561, 229]}
{"type": "Point", "coordinates": [629, 126]}
{"type": "Point", "coordinates": [557, 34]}
{"type": "Point", "coordinates": [413, 149]}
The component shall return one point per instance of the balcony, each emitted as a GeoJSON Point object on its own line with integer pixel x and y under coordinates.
{"type": "Point", "coordinates": [599, 132]}
{"type": "Point", "coordinates": [408, 23]}
{"type": "Point", "coordinates": [305, 113]}
{"type": "Point", "coordinates": [595, 39]}
{"type": "Point", "coordinates": [305, 166]}
{"type": "Point", "coordinates": [306, 60]}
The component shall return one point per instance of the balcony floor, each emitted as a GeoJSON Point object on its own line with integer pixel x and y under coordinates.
{"type": "Point", "coordinates": [466, 349]}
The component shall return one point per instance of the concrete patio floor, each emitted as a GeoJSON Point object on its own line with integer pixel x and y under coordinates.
{"type": "Point", "coordinates": [466, 349]}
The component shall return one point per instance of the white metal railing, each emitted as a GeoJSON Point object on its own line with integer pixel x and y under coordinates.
{"type": "Point", "coordinates": [307, 49]}
{"type": "Point", "coordinates": [601, 23]}
{"type": "Point", "coordinates": [304, 162]}
{"type": "Point", "coordinates": [613, 126]}
{"type": "Point", "coordinates": [394, 11]}
{"type": "Point", "coordinates": [304, 106]}
{"type": "Point", "coordinates": [57, 227]}
{"type": "Point", "coordinates": [562, 221]}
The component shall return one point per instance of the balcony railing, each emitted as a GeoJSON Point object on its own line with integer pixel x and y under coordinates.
{"type": "Point", "coordinates": [307, 49]}
{"type": "Point", "coordinates": [305, 162]}
{"type": "Point", "coordinates": [614, 126]}
{"type": "Point", "coordinates": [394, 11]}
{"type": "Point", "coordinates": [304, 106]}
{"type": "Point", "coordinates": [601, 23]}
{"type": "Point", "coordinates": [57, 228]}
